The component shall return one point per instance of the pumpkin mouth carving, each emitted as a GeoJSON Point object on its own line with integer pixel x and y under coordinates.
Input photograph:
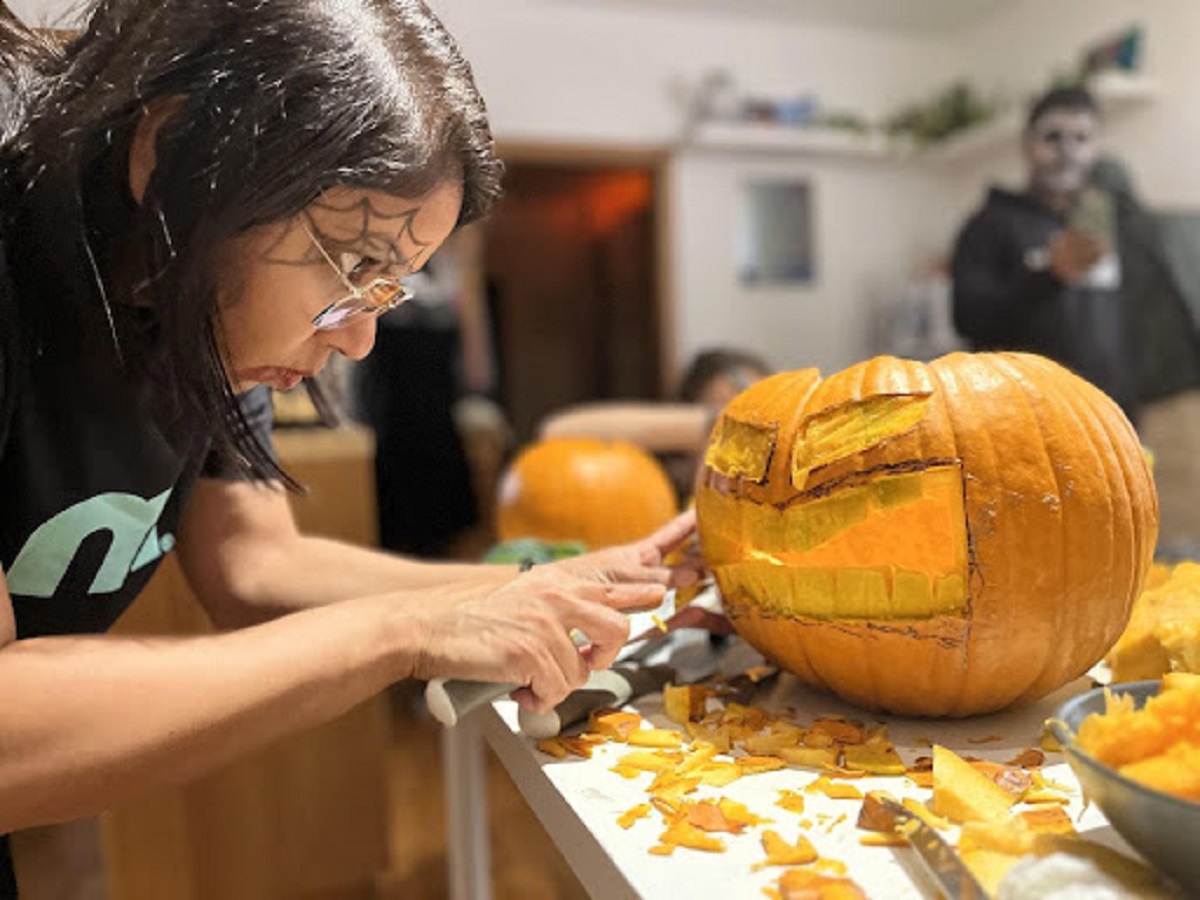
{"type": "Point", "coordinates": [892, 546]}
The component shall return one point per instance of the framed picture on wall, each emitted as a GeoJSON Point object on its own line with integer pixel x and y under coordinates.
{"type": "Point", "coordinates": [775, 233]}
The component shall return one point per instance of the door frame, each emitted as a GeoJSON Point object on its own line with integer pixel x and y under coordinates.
{"type": "Point", "coordinates": [657, 158]}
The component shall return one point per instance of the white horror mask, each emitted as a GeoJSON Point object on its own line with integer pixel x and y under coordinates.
{"type": "Point", "coordinates": [1060, 146]}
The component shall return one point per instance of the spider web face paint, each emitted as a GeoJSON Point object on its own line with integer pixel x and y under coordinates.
{"type": "Point", "coordinates": [358, 227]}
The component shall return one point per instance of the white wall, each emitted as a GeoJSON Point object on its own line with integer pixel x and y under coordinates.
{"type": "Point", "coordinates": [873, 225]}
{"type": "Point", "coordinates": [561, 72]}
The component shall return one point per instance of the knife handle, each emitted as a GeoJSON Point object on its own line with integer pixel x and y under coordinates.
{"type": "Point", "coordinates": [604, 688]}
{"type": "Point", "coordinates": [449, 699]}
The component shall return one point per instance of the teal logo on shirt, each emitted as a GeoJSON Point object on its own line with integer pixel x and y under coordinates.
{"type": "Point", "coordinates": [133, 524]}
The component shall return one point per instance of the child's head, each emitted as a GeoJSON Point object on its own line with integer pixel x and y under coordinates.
{"type": "Point", "coordinates": [716, 376]}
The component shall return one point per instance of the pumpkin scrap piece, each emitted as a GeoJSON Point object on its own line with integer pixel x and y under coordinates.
{"type": "Point", "coordinates": [882, 839]}
{"type": "Point", "coordinates": [670, 789]}
{"type": "Point", "coordinates": [873, 758]}
{"type": "Point", "coordinates": [685, 702]}
{"type": "Point", "coordinates": [627, 771]}
{"type": "Point", "coordinates": [874, 814]}
{"type": "Point", "coordinates": [615, 724]}
{"type": "Point", "coordinates": [716, 735]}
{"type": "Point", "coordinates": [708, 816]}
{"type": "Point", "coordinates": [1014, 781]}
{"type": "Point", "coordinates": [661, 850]}
{"type": "Point", "coordinates": [682, 833]}
{"type": "Point", "coordinates": [753, 765]}
{"type": "Point", "coordinates": [823, 785]}
{"type": "Point", "coordinates": [781, 853]}
{"type": "Point", "coordinates": [654, 737]}
{"type": "Point", "coordinates": [1041, 782]}
{"type": "Point", "coordinates": [791, 801]}
{"type": "Point", "coordinates": [1031, 758]}
{"type": "Point", "coordinates": [961, 793]}
{"type": "Point", "coordinates": [759, 673]}
{"type": "Point", "coordinates": [841, 730]}
{"type": "Point", "coordinates": [1047, 820]}
{"type": "Point", "coordinates": [804, 884]}
{"type": "Point", "coordinates": [631, 815]}
{"type": "Point", "coordinates": [719, 774]}
{"type": "Point", "coordinates": [650, 761]}
{"type": "Point", "coordinates": [738, 812]}
{"type": "Point", "coordinates": [820, 758]}
{"type": "Point", "coordinates": [778, 736]}
{"type": "Point", "coordinates": [562, 746]}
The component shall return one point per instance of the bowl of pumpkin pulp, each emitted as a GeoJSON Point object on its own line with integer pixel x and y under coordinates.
{"type": "Point", "coordinates": [1135, 749]}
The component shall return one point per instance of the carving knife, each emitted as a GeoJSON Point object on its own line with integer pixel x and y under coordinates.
{"type": "Point", "coordinates": [939, 860]}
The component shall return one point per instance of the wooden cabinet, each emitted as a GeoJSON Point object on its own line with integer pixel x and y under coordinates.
{"type": "Point", "coordinates": [304, 817]}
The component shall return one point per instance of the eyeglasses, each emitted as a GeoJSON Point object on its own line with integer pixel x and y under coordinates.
{"type": "Point", "coordinates": [374, 299]}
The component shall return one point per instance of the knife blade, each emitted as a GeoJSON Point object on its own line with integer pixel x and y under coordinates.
{"type": "Point", "coordinates": [449, 699]}
{"type": "Point", "coordinates": [694, 656]}
{"type": "Point", "coordinates": [939, 860]}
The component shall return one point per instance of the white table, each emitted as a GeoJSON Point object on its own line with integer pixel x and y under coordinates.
{"type": "Point", "coordinates": [578, 801]}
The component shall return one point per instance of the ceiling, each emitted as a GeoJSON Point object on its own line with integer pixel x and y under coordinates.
{"type": "Point", "coordinates": [903, 15]}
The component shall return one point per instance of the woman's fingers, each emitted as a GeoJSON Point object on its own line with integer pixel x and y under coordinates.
{"type": "Point", "coordinates": [673, 533]}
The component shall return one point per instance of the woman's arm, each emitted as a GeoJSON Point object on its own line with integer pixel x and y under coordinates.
{"type": "Point", "coordinates": [89, 721]}
{"type": "Point", "coordinates": [248, 562]}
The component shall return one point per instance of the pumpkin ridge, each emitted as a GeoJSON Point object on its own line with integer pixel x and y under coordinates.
{"type": "Point", "coordinates": [1021, 390]}
{"type": "Point", "coordinates": [1136, 567]}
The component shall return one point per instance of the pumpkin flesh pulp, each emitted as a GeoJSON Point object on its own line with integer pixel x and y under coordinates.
{"type": "Point", "coordinates": [894, 547]}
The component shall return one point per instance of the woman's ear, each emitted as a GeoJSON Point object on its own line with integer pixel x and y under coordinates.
{"type": "Point", "coordinates": [143, 154]}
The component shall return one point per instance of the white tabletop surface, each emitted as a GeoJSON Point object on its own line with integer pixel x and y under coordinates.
{"type": "Point", "coordinates": [579, 801]}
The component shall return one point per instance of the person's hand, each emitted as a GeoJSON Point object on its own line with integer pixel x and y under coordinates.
{"type": "Point", "coordinates": [645, 562]}
{"type": "Point", "coordinates": [521, 632]}
{"type": "Point", "coordinates": [1074, 252]}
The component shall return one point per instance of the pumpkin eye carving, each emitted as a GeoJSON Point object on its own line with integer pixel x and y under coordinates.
{"type": "Point", "coordinates": [741, 449]}
{"type": "Point", "coordinates": [842, 431]}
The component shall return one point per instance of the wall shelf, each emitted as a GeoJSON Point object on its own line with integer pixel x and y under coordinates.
{"type": "Point", "coordinates": [1114, 92]}
{"type": "Point", "coordinates": [790, 140]}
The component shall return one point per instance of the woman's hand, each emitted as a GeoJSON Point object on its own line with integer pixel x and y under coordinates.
{"type": "Point", "coordinates": [645, 561]}
{"type": "Point", "coordinates": [521, 631]}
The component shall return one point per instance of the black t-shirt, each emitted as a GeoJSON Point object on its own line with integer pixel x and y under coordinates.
{"type": "Point", "coordinates": [95, 471]}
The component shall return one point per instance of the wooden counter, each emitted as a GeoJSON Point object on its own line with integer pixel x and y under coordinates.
{"type": "Point", "coordinates": [304, 817]}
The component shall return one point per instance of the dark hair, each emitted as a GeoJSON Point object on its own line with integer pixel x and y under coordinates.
{"type": "Point", "coordinates": [719, 362]}
{"type": "Point", "coordinates": [279, 100]}
{"type": "Point", "coordinates": [1072, 97]}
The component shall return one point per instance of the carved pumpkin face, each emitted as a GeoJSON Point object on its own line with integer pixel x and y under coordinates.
{"type": "Point", "coordinates": [941, 539]}
{"type": "Point", "coordinates": [583, 489]}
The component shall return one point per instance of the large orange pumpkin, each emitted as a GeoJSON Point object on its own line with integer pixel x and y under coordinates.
{"type": "Point", "coordinates": [935, 539]}
{"type": "Point", "coordinates": [583, 489]}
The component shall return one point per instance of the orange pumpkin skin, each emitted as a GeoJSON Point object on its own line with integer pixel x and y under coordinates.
{"type": "Point", "coordinates": [583, 489]}
{"type": "Point", "coordinates": [938, 539]}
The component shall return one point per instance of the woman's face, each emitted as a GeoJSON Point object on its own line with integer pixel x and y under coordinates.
{"type": "Point", "coordinates": [277, 278]}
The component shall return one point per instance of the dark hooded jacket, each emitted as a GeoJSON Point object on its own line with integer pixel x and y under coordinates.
{"type": "Point", "coordinates": [1005, 300]}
